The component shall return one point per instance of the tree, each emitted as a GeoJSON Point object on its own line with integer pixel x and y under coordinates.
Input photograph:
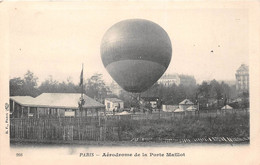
{"type": "Point", "coordinates": [233, 91]}
{"type": "Point", "coordinates": [148, 106]}
{"type": "Point", "coordinates": [16, 86]}
{"type": "Point", "coordinates": [245, 99]}
{"type": "Point", "coordinates": [216, 91]}
{"type": "Point", "coordinates": [204, 89]}
{"type": "Point", "coordinates": [53, 86]}
{"type": "Point", "coordinates": [96, 87]}
{"type": "Point", "coordinates": [24, 87]}
{"type": "Point", "coordinates": [153, 91]}
{"type": "Point", "coordinates": [203, 93]}
{"type": "Point", "coordinates": [49, 85]}
{"type": "Point", "coordinates": [172, 94]}
{"type": "Point", "coordinates": [30, 79]}
{"type": "Point", "coordinates": [226, 89]}
{"type": "Point", "coordinates": [30, 85]}
{"type": "Point", "coordinates": [130, 99]}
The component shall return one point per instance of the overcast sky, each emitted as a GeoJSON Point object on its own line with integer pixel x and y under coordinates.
{"type": "Point", "coordinates": [56, 39]}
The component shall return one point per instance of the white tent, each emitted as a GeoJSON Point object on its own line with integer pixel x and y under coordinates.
{"type": "Point", "coordinates": [191, 108]}
{"type": "Point", "coordinates": [124, 113]}
{"type": "Point", "coordinates": [179, 110]}
{"type": "Point", "coordinates": [226, 107]}
{"type": "Point", "coordinates": [186, 102]}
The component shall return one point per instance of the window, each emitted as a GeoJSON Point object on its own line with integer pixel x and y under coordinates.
{"type": "Point", "coordinates": [108, 105]}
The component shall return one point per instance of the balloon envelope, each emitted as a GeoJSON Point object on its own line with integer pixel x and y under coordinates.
{"type": "Point", "coordinates": [136, 53]}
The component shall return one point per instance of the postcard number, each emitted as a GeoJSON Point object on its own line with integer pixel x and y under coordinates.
{"type": "Point", "coordinates": [19, 154]}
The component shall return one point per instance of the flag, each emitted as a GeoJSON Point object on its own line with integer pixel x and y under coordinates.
{"type": "Point", "coordinates": [81, 77]}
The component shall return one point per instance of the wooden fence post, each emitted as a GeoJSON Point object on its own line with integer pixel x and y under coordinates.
{"type": "Point", "coordinates": [63, 133]}
{"type": "Point", "coordinates": [28, 109]}
{"type": "Point", "coordinates": [100, 133]}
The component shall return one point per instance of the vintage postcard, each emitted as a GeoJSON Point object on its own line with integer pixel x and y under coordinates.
{"type": "Point", "coordinates": [129, 82]}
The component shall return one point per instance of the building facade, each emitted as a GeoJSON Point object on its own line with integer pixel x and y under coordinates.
{"type": "Point", "coordinates": [153, 101]}
{"type": "Point", "coordinates": [53, 105]}
{"type": "Point", "coordinates": [169, 79]}
{"type": "Point", "coordinates": [113, 104]}
{"type": "Point", "coordinates": [169, 108]}
{"type": "Point", "coordinates": [187, 80]}
{"type": "Point", "coordinates": [242, 78]}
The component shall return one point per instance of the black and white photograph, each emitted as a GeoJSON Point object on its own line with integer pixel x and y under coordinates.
{"type": "Point", "coordinates": [125, 79]}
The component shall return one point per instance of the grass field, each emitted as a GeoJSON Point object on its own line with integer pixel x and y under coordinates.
{"type": "Point", "coordinates": [230, 125]}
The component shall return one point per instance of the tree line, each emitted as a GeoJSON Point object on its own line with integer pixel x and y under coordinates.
{"type": "Point", "coordinates": [209, 95]}
{"type": "Point", "coordinates": [28, 85]}
{"type": "Point", "coordinates": [212, 94]}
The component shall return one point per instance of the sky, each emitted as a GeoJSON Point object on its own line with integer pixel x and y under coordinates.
{"type": "Point", "coordinates": [56, 39]}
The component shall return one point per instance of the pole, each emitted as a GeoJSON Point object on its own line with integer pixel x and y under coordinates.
{"type": "Point", "coordinates": [198, 108]}
{"type": "Point", "coordinates": [159, 113]}
{"type": "Point", "coordinates": [81, 98]}
{"type": "Point", "coordinates": [82, 82]}
{"type": "Point", "coordinates": [139, 101]}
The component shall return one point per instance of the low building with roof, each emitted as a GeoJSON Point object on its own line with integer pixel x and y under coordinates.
{"type": "Point", "coordinates": [169, 108]}
{"type": "Point", "coordinates": [185, 104]}
{"type": "Point", "coordinates": [226, 107]}
{"type": "Point", "coordinates": [54, 105]}
{"type": "Point", "coordinates": [113, 104]}
{"type": "Point", "coordinates": [153, 101]}
{"type": "Point", "coordinates": [186, 107]}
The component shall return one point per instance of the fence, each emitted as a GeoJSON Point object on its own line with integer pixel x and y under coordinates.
{"type": "Point", "coordinates": [63, 129]}
{"type": "Point", "coordinates": [89, 128]}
